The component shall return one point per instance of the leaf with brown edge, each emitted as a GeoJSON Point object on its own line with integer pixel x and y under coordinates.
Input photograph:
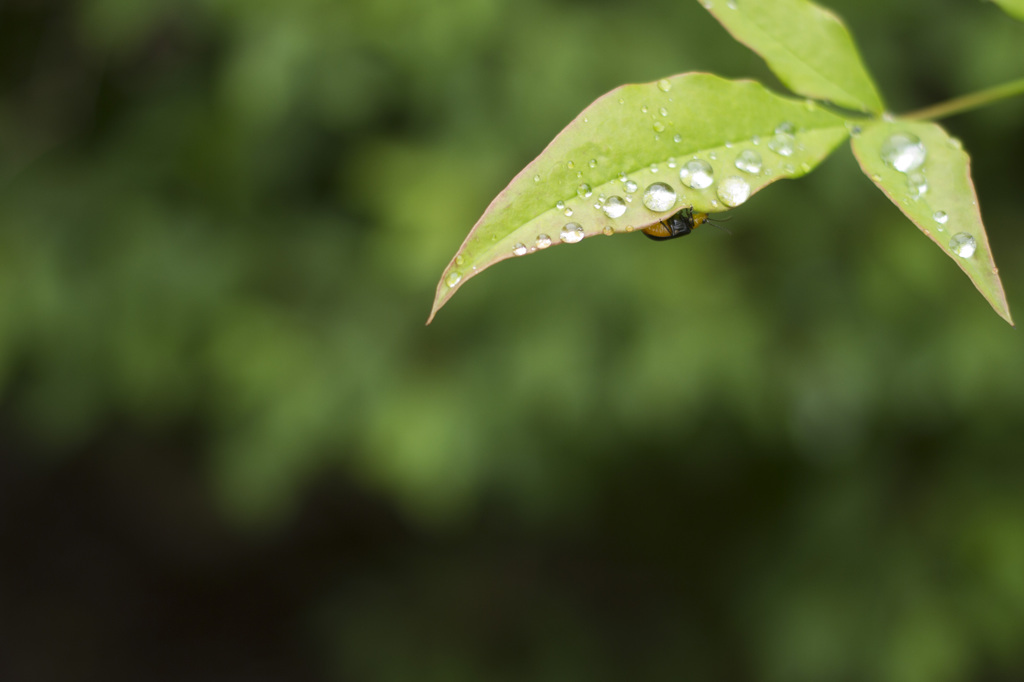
{"type": "Point", "coordinates": [592, 178]}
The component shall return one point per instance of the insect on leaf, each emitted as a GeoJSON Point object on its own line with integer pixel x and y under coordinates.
{"type": "Point", "coordinates": [641, 153]}
{"type": "Point", "coordinates": [805, 45]}
{"type": "Point", "coordinates": [926, 173]}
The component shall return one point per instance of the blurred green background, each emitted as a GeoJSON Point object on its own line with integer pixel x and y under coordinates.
{"type": "Point", "coordinates": [231, 450]}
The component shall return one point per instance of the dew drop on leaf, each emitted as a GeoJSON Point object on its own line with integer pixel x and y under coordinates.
{"type": "Point", "coordinates": [749, 161]}
{"type": "Point", "coordinates": [917, 185]}
{"type": "Point", "coordinates": [697, 174]}
{"type": "Point", "coordinates": [629, 186]}
{"type": "Point", "coordinates": [571, 233]}
{"type": "Point", "coordinates": [519, 249]}
{"type": "Point", "coordinates": [903, 151]}
{"type": "Point", "coordinates": [543, 241]}
{"type": "Point", "coordinates": [963, 245]}
{"type": "Point", "coordinates": [783, 144]}
{"type": "Point", "coordinates": [659, 197]}
{"type": "Point", "coordinates": [940, 217]}
{"type": "Point", "coordinates": [453, 278]}
{"type": "Point", "coordinates": [584, 191]}
{"type": "Point", "coordinates": [614, 207]}
{"type": "Point", "coordinates": [733, 190]}
{"type": "Point", "coordinates": [664, 85]}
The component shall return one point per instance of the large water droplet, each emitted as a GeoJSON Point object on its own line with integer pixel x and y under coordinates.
{"type": "Point", "coordinates": [519, 249]}
{"type": "Point", "coordinates": [697, 174]}
{"type": "Point", "coordinates": [659, 197]}
{"type": "Point", "coordinates": [963, 245]}
{"type": "Point", "coordinates": [733, 190]}
{"type": "Point", "coordinates": [453, 278]}
{"type": "Point", "coordinates": [543, 241]}
{"type": "Point", "coordinates": [903, 151]}
{"type": "Point", "coordinates": [571, 233]}
{"type": "Point", "coordinates": [614, 207]}
{"type": "Point", "coordinates": [749, 161]}
{"type": "Point", "coordinates": [664, 85]}
{"type": "Point", "coordinates": [783, 144]}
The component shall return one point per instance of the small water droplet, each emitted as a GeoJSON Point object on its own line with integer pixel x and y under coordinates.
{"type": "Point", "coordinates": [732, 4]}
{"type": "Point", "coordinates": [629, 228]}
{"type": "Point", "coordinates": [783, 144]}
{"type": "Point", "coordinates": [963, 245]}
{"type": "Point", "coordinates": [749, 161]}
{"type": "Point", "coordinates": [543, 241]}
{"type": "Point", "coordinates": [614, 207]}
{"type": "Point", "coordinates": [592, 163]}
{"type": "Point", "coordinates": [663, 111]}
{"type": "Point", "coordinates": [622, 101]}
{"type": "Point", "coordinates": [713, 156]}
{"type": "Point", "coordinates": [697, 174]}
{"type": "Point", "coordinates": [584, 191]}
{"type": "Point", "coordinates": [608, 230]}
{"type": "Point", "coordinates": [643, 108]}
{"type": "Point", "coordinates": [785, 128]}
{"type": "Point", "coordinates": [677, 138]}
{"type": "Point", "coordinates": [571, 233]}
{"type": "Point", "coordinates": [733, 190]}
{"type": "Point", "coordinates": [629, 186]}
{"type": "Point", "coordinates": [459, 260]}
{"type": "Point", "coordinates": [560, 205]}
{"type": "Point", "coordinates": [728, 144]}
{"type": "Point", "coordinates": [653, 168]}
{"type": "Point", "coordinates": [567, 212]}
{"type": "Point", "coordinates": [659, 127]}
{"type": "Point", "coordinates": [940, 217]}
{"type": "Point", "coordinates": [917, 185]}
{"type": "Point", "coordinates": [664, 85]}
{"type": "Point", "coordinates": [671, 162]}
{"type": "Point", "coordinates": [519, 249]}
{"type": "Point", "coordinates": [453, 278]}
{"type": "Point", "coordinates": [755, 140]}
{"type": "Point", "coordinates": [659, 197]}
{"type": "Point", "coordinates": [903, 151]}
{"type": "Point", "coordinates": [570, 165]}
{"type": "Point", "coordinates": [536, 178]}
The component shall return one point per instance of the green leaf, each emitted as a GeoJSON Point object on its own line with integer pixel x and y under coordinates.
{"type": "Point", "coordinates": [1015, 8]}
{"type": "Point", "coordinates": [805, 45]}
{"type": "Point", "coordinates": [947, 210]}
{"type": "Point", "coordinates": [639, 135]}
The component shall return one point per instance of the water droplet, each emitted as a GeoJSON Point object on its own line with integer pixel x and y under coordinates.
{"type": "Point", "coordinates": [560, 205]}
{"type": "Point", "coordinates": [543, 241]}
{"type": "Point", "coordinates": [454, 277]}
{"type": "Point", "coordinates": [783, 144]}
{"type": "Point", "coordinates": [732, 4]}
{"type": "Point", "coordinates": [963, 245]}
{"type": "Point", "coordinates": [917, 185]}
{"type": "Point", "coordinates": [519, 249]}
{"type": "Point", "coordinates": [570, 165]}
{"type": "Point", "coordinates": [653, 168]}
{"type": "Point", "coordinates": [659, 127]}
{"type": "Point", "coordinates": [459, 260]}
{"type": "Point", "coordinates": [608, 230]}
{"type": "Point", "coordinates": [697, 174]}
{"type": "Point", "coordinates": [643, 108]}
{"type": "Point", "coordinates": [755, 140]}
{"type": "Point", "coordinates": [664, 85]}
{"type": "Point", "coordinates": [677, 138]}
{"type": "Point", "coordinates": [536, 178]}
{"type": "Point", "coordinates": [671, 162]}
{"type": "Point", "coordinates": [629, 186]}
{"type": "Point", "coordinates": [940, 217]}
{"type": "Point", "coordinates": [571, 233]}
{"type": "Point", "coordinates": [659, 197]}
{"type": "Point", "coordinates": [663, 111]}
{"type": "Point", "coordinates": [568, 212]}
{"type": "Point", "coordinates": [584, 191]}
{"type": "Point", "coordinates": [733, 190]}
{"type": "Point", "coordinates": [713, 156]}
{"type": "Point", "coordinates": [749, 161]}
{"type": "Point", "coordinates": [592, 163]}
{"type": "Point", "coordinates": [728, 144]}
{"type": "Point", "coordinates": [903, 151]}
{"type": "Point", "coordinates": [785, 128]}
{"type": "Point", "coordinates": [622, 101]}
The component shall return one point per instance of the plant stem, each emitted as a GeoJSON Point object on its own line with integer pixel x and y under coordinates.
{"type": "Point", "coordinates": [967, 102]}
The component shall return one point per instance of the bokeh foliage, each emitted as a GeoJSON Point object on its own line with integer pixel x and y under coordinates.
{"type": "Point", "coordinates": [790, 453]}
